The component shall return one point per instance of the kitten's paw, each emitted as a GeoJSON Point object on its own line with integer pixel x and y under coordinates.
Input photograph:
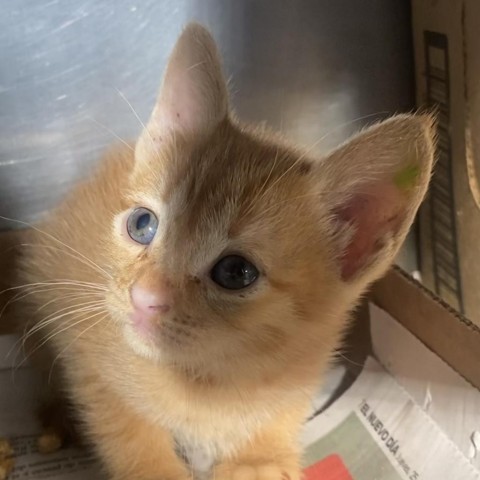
{"type": "Point", "coordinates": [267, 471]}
{"type": "Point", "coordinates": [50, 441]}
{"type": "Point", "coordinates": [7, 461]}
{"type": "Point", "coordinates": [58, 427]}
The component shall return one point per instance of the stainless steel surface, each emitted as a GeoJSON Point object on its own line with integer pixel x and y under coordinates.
{"type": "Point", "coordinates": [309, 67]}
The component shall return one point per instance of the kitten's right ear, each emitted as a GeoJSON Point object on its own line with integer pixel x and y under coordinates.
{"type": "Point", "coordinates": [193, 97]}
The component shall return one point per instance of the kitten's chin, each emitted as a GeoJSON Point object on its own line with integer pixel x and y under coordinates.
{"type": "Point", "coordinates": [142, 345]}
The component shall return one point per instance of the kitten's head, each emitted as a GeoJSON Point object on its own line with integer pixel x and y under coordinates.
{"type": "Point", "coordinates": [239, 249]}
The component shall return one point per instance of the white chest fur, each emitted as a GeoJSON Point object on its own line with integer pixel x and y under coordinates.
{"type": "Point", "coordinates": [203, 444]}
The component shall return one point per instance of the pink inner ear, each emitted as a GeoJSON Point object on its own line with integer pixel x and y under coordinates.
{"type": "Point", "coordinates": [377, 211]}
{"type": "Point", "coordinates": [182, 110]}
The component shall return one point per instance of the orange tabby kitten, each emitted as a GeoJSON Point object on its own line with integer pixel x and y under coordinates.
{"type": "Point", "coordinates": [194, 288]}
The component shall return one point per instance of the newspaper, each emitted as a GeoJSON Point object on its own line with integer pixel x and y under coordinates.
{"type": "Point", "coordinates": [380, 428]}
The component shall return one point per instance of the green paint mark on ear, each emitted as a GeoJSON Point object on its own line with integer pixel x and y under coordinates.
{"type": "Point", "coordinates": [406, 178]}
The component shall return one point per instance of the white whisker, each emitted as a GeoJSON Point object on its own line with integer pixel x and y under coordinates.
{"type": "Point", "coordinates": [122, 95]}
{"type": "Point", "coordinates": [70, 296]}
{"type": "Point", "coordinates": [58, 331]}
{"type": "Point", "coordinates": [111, 132]}
{"type": "Point", "coordinates": [21, 222]}
{"type": "Point", "coordinates": [72, 342]}
{"type": "Point", "coordinates": [45, 287]}
{"type": "Point", "coordinates": [82, 260]}
{"type": "Point", "coordinates": [61, 283]}
{"type": "Point", "coordinates": [62, 313]}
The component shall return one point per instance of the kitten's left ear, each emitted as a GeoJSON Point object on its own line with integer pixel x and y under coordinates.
{"type": "Point", "coordinates": [373, 186]}
{"type": "Point", "coordinates": [193, 97]}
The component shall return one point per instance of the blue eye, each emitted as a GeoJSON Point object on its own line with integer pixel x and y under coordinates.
{"type": "Point", "coordinates": [142, 225]}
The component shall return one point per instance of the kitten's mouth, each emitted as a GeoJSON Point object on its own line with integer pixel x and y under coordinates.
{"type": "Point", "coordinates": [152, 336]}
{"type": "Point", "coordinates": [143, 336]}
{"type": "Point", "coordinates": [143, 325]}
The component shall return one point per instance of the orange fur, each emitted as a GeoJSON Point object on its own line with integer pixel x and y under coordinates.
{"type": "Point", "coordinates": [231, 372]}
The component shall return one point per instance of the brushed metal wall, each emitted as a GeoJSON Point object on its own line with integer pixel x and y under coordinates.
{"type": "Point", "coordinates": [308, 67]}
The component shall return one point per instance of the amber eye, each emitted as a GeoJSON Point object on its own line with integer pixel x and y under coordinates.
{"type": "Point", "coordinates": [234, 272]}
{"type": "Point", "coordinates": [142, 225]}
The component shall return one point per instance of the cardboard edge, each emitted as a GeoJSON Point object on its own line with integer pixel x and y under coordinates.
{"type": "Point", "coordinates": [446, 332]}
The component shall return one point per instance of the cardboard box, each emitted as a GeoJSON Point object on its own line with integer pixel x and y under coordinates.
{"type": "Point", "coordinates": [446, 332]}
{"type": "Point", "coordinates": [447, 59]}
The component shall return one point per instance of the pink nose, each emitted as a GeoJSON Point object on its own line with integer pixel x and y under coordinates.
{"type": "Point", "coordinates": [150, 301]}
